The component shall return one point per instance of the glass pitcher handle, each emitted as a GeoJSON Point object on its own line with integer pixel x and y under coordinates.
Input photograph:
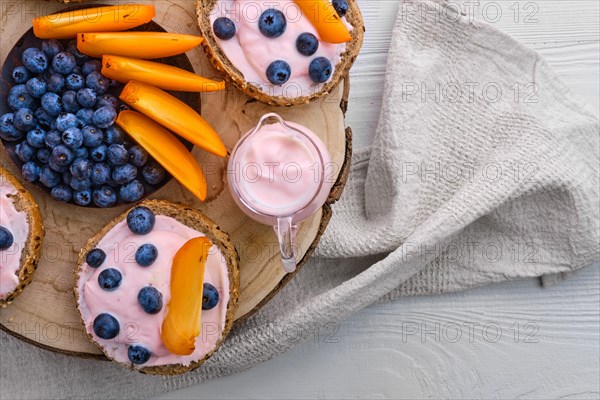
{"type": "Point", "coordinates": [286, 235]}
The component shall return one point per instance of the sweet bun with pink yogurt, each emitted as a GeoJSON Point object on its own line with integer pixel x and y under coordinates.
{"type": "Point", "coordinates": [273, 52]}
{"type": "Point", "coordinates": [123, 286]}
{"type": "Point", "coordinates": [21, 237]}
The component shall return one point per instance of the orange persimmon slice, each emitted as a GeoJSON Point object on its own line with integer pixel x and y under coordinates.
{"type": "Point", "coordinates": [174, 115]}
{"type": "Point", "coordinates": [68, 24]}
{"type": "Point", "coordinates": [125, 69]}
{"type": "Point", "coordinates": [325, 19]}
{"type": "Point", "coordinates": [166, 149]}
{"type": "Point", "coordinates": [182, 324]}
{"type": "Point", "coordinates": [136, 44]}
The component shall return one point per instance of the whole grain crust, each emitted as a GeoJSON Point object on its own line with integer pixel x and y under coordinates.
{"type": "Point", "coordinates": [30, 256]}
{"type": "Point", "coordinates": [220, 61]}
{"type": "Point", "coordinates": [195, 220]}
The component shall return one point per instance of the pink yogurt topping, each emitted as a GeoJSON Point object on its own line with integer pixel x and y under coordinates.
{"type": "Point", "coordinates": [16, 222]}
{"type": "Point", "coordinates": [136, 326]}
{"type": "Point", "coordinates": [251, 52]}
{"type": "Point", "coordinates": [276, 171]}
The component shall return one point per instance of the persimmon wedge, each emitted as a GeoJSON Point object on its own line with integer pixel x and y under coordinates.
{"type": "Point", "coordinates": [136, 44]}
{"type": "Point", "coordinates": [166, 149]}
{"type": "Point", "coordinates": [173, 114]}
{"type": "Point", "coordinates": [116, 18]}
{"type": "Point", "coordinates": [325, 19]}
{"type": "Point", "coordinates": [182, 324]}
{"type": "Point", "coordinates": [125, 69]}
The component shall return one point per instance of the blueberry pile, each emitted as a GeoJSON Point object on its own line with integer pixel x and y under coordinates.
{"type": "Point", "coordinates": [62, 125]}
{"type": "Point", "coordinates": [140, 221]}
{"type": "Point", "coordinates": [272, 24]}
{"type": "Point", "coordinates": [6, 238]}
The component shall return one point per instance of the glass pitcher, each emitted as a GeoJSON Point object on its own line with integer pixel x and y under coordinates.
{"type": "Point", "coordinates": [277, 176]}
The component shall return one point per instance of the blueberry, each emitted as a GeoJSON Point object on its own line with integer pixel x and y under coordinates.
{"type": "Point", "coordinates": [132, 191]}
{"type": "Point", "coordinates": [67, 176]}
{"type": "Point", "coordinates": [140, 220]}
{"type": "Point", "coordinates": [43, 118]}
{"type": "Point", "coordinates": [86, 97]}
{"type": "Point", "coordinates": [34, 60]}
{"type": "Point", "coordinates": [106, 99]}
{"type": "Point", "coordinates": [99, 153]}
{"type": "Point", "coordinates": [20, 74]}
{"type": "Point", "coordinates": [83, 198]}
{"type": "Point", "coordinates": [52, 104]}
{"type": "Point", "coordinates": [104, 117]}
{"type": "Point", "coordinates": [49, 178]}
{"type": "Point", "coordinates": [341, 7]}
{"type": "Point", "coordinates": [150, 299]}
{"type": "Point", "coordinates": [73, 137]}
{"type": "Point", "coordinates": [92, 136]}
{"type": "Point", "coordinates": [6, 239]}
{"type": "Point", "coordinates": [117, 154]}
{"type": "Point", "coordinates": [307, 44]}
{"type": "Point", "coordinates": [210, 296]}
{"type": "Point", "coordinates": [74, 82]}
{"type": "Point", "coordinates": [19, 97]}
{"type": "Point", "coordinates": [65, 121]}
{"type": "Point", "coordinates": [90, 66]}
{"type": "Point", "coordinates": [8, 131]}
{"type": "Point", "coordinates": [153, 173]}
{"type": "Point", "coordinates": [55, 82]}
{"type": "Point", "coordinates": [104, 196]}
{"type": "Point", "coordinates": [272, 23]}
{"type": "Point", "coordinates": [53, 139]}
{"type": "Point", "coordinates": [36, 138]}
{"type": "Point", "coordinates": [36, 87]}
{"type": "Point", "coordinates": [79, 56]}
{"type": "Point", "coordinates": [320, 70]}
{"type": "Point", "coordinates": [138, 354]}
{"type": "Point", "coordinates": [24, 151]}
{"type": "Point", "coordinates": [77, 70]}
{"type": "Point", "coordinates": [137, 155]}
{"type": "Point", "coordinates": [82, 152]}
{"type": "Point", "coordinates": [124, 173]}
{"type": "Point", "coordinates": [30, 171]}
{"type": "Point", "coordinates": [106, 326]}
{"type": "Point", "coordinates": [110, 279]}
{"type": "Point", "coordinates": [55, 166]}
{"type": "Point", "coordinates": [95, 258]}
{"type": "Point", "coordinates": [278, 72]}
{"type": "Point", "coordinates": [224, 28]}
{"type": "Point", "coordinates": [81, 168]}
{"type": "Point", "coordinates": [63, 63]}
{"type": "Point", "coordinates": [62, 155]}
{"type": "Point", "coordinates": [62, 193]}
{"type": "Point", "coordinates": [95, 80]}
{"type": "Point", "coordinates": [69, 101]}
{"type": "Point", "coordinates": [43, 155]}
{"type": "Point", "coordinates": [80, 184]}
{"type": "Point", "coordinates": [100, 174]}
{"type": "Point", "coordinates": [51, 47]}
{"type": "Point", "coordinates": [114, 135]}
{"type": "Point", "coordinates": [85, 115]}
{"type": "Point", "coordinates": [146, 255]}
{"type": "Point", "coordinates": [24, 120]}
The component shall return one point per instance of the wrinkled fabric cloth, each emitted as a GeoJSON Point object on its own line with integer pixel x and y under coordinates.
{"type": "Point", "coordinates": [484, 168]}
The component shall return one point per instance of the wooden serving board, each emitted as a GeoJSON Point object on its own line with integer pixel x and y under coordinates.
{"type": "Point", "coordinates": [45, 313]}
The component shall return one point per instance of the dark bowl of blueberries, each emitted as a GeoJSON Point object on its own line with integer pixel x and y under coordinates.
{"type": "Point", "coordinates": [57, 124]}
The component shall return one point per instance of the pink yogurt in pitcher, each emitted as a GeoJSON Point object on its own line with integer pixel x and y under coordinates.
{"type": "Point", "coordinates": [278, 175]}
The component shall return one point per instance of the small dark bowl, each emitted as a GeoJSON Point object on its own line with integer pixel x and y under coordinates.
{"type": "Point", "coordinates": [29, 40]}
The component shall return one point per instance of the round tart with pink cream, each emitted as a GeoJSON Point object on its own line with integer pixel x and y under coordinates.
{"type": "Point", "coordinates": [157, 288]}
{"type": "Point", "coordinates": [282, 52]}
{"type": "Point", "coordinates": [21, 237]}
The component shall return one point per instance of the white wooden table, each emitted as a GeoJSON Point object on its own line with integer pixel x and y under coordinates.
{"type": "Point", "coordinates": [517, 339]}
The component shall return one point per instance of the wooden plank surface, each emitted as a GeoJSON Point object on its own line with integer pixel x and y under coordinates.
{"type": "Point", "coordinates": [369, 357]}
